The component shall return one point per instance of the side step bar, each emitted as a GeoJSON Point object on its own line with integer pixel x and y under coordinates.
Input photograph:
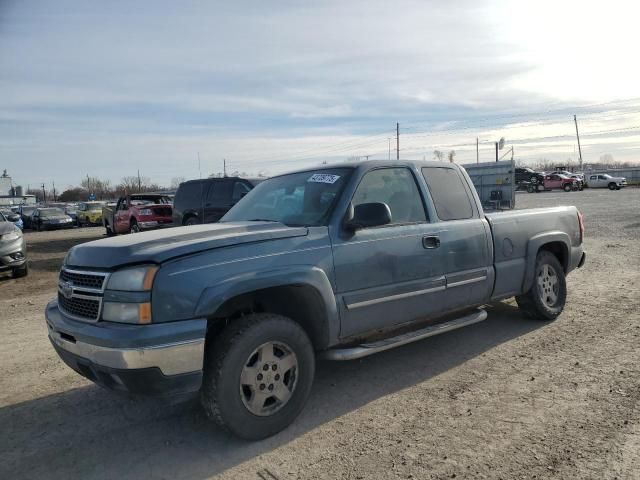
{"type": "Point", "coordinates": [365, 349]}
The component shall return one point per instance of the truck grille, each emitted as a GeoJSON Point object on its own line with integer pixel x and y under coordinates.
{"type": "Point", "coordinates": [80, 307]}
{"type": "Point", "coordinates": [87, 280]}
{"type": "Point", "coordinates": [80, 293]}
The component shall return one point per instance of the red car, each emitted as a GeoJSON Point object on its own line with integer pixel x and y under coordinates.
{"type": "Point", "coordinates": [135, 213]}
{"type": "Point", "coordinates": [554, 181]}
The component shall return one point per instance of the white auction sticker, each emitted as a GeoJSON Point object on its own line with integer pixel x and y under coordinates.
{"type": "Point", "coordinates": [323, 178]}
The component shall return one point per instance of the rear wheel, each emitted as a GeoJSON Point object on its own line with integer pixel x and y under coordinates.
{"type": "Point", "coordinates": [20, 271]}
{"type": "Point", "coordinates": [612, 186]}
{"type": "Point", "coordinates": [134, 228]}
{"type": "Point", "coordinates": [191, 221]}
{"type": "Point", "coordinates": [546, 298]}
{"type": "Point", "coordinates": [258, 374]}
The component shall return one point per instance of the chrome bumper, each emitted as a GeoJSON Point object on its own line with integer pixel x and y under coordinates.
{"type": "Point", "coordinates": [172, 359]}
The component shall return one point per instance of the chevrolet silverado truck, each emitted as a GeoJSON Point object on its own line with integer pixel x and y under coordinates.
{"type": "Point", "coordinates": [136, 213]}
{"type": "Point", "coordinates": [335, 262]}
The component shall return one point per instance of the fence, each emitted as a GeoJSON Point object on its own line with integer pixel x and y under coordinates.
{"type": "Point", "coordinates": [492, 177]}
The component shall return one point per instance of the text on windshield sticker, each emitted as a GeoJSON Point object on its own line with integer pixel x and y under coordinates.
{"type": "Point", "coordinates": [323, 178]}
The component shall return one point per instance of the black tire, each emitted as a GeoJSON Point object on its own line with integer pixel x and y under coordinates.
{"type": "Point", "coordinates": [228, 354]}
{"type": "Point", "coordinates": [531, 189]}
{"type": "Point", "coordinates": [538, 303]}
{"type": "Point", "coordinates": [109, 232]}
{"type": "Point", "coordinates": [567, 187]}
{"type": "Point", "coordinates": [22, 271]}
{"type": "Point", "coordinates": [612, 186]}
{"type": "Point", "coordinates": [190, 221]}
{"type": "Point", "coordinates": [134, 227]}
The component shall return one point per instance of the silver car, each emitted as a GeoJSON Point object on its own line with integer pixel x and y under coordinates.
{"type": "Point", "coordinates": [13, 249]}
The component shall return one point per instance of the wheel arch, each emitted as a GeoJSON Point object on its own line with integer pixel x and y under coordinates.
{"type": "Point", "coordinates": [303, 294]}
{"type": "Point", "coordinates": [556, 243]}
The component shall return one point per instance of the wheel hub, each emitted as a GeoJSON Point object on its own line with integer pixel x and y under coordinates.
{"type": "Point", "coordinates": [548, 285]}
{"type": "Point", "coordinates": [268, 378]}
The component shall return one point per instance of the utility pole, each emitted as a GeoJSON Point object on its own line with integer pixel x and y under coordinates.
{"type": "Point", "coordinates": [575, 120]}
{"type": "Point", "coordinates": [397, 141]}
{"type": "Point", "coordinates": [199, 170]}
{"type": "Point", "coordinates": [512, 153]}
{"type": "Point", "coordinates": [54, 191]}
{"type": "Point", "coordinates": [224, 167]}
{"type": "Point", "coordinates": [44, 195]}
{"type": "Point", "coordinates": [477, 150]}
{"type": "Point", "coordinates": [496, 151]}
{"type": "Point", "coordinates": [139, 184]}
{"type": "Point", "coordinates": [389, 147]}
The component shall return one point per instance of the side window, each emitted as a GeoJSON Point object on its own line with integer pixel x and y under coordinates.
{"type": "Point", "coordinates": [219, 193]}
{"type": "Point", "coordinates": [601, 177]}
{"type": "Point", "coordinates": [397, 188]}
{"type": "Point", "coordinates": [189, 195]}
{"type": "Point", "coordinates": [240, 189]}
{"type": "Point", "coordinates": [449, 193]}
{"type": "Point", "coordinates": [593, 177]}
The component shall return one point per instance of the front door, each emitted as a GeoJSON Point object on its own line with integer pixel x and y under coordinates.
{"type": "Point", "coordinates": [121, 216]}
{"type": "Point", "coordinates": [218, 200]}
{"type": "Point", "coordinates": [392, 274]}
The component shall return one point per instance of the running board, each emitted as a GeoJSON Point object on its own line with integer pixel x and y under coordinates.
{"type": "Point", "coordinates": [365, 349]}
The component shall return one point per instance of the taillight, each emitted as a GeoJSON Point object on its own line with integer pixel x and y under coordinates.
{"type": "Point", "coordinates": [581, 223]}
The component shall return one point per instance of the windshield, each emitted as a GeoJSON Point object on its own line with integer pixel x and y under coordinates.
{"type": "Point", "coordinates": [297, 199]}
{"type": "Point", "coordinates": [92, 207]}
{"type": "Point", "coordinates": [606, 175]}
{"type": "Point", "coordinates": [150, 200]}
{"type": "Point", "coordinates": [51, 212]}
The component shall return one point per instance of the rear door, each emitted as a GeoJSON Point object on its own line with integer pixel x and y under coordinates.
{"type": "Point", "coordinates": [465, 238]}
{"type": "Point", "coordinates": [218, 199]}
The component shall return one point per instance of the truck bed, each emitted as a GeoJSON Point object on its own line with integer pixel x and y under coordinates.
{"type": "Point", "coordinates": [517, 235]}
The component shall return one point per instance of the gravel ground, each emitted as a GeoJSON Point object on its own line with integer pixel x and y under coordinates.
{"type": "Point", "coordinates": [507, 398]}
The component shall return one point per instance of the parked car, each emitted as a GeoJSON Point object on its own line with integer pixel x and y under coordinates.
{"type": "Point", "coordinates": [579, 177]}
{"type": "Point", "coordinates": [604, 180]}
{"type": "Point", "coordinates": [526, 174]}
{"type": "Point", "coordinates": [26, 213]}
{"type": "Point", "coordinates": [72, 211]}
{"type": "Point", "coordinates": [207, 200]}
{"type": "Point", "coordinates": [136, 213]}
{"type": "Point", "coordinates": [554, 181]}
{"type": "Point", "coordinates": [14, 218]}
{"type": "Point", "coordinates": [89, 213]}
{"type": "Point", "coordinates": [50, 218]}
{"type": "Point", "coordinates": [13, 248]}
{"type": "Point", "coordinates": [340, 262]}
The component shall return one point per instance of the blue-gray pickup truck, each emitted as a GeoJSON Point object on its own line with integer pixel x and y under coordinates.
{"type": "Point", "coordinates": [337, 262]}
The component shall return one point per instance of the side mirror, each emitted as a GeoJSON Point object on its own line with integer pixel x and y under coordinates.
{"type": "Point", "coordinates": [367, 215]}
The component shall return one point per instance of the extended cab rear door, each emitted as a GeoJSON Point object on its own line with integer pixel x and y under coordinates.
{"type": "Point", "coordinates": [466, 246]}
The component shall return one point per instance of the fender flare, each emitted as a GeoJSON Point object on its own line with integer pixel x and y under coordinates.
{"type": "Point", "coordinates": [534, 245]}
{"type": "Point", "coordinates": [212, 298]}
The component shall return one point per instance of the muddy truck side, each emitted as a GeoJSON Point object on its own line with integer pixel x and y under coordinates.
{"type": "Point", "coordinates": [338, 262]}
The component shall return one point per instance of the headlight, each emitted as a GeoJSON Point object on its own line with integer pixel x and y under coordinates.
{"type": "Point", "coordinates": [138, 313]}
{"type": "Point", "coordinates": [146, 211]}
{"type": "Point", "coordinates": [136, 279]}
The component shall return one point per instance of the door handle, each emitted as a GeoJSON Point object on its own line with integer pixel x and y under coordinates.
{"type": "Point", "coordinates": [430, 241]}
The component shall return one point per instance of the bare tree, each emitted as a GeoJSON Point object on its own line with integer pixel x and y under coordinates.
{"type": "Point", "coordinates": [176, 181]}
{"type": "Point", "coordinates": [438, 155]}
{"type": "Point", "coordinates": [451, 156]}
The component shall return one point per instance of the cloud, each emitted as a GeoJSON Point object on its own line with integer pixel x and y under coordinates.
{"type": "Point", "coordinates": [107, 88]}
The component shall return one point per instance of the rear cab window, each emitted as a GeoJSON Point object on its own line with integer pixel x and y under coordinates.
{"type": "Point", "coordinates": [450, 197]}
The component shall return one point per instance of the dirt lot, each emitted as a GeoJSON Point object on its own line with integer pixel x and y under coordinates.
{"type": "Point", "coordinates": [507, 398]}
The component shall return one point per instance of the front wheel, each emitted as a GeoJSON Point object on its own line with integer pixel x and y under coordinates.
{"type": "Point", "coordinates": [567, 187]}
{"type": "Point", "coordinates": [134, 228]}
{"type": "Point", "coordinates": [258, 374]}
{"type": "Point", "coordinates": [612, 186]}
{"type": "Point", "coordinates": [191, 221]}
{"type": "Point", "coordinates": [531, 188]}
{"type": "Point", "coordinates": [547, 296]}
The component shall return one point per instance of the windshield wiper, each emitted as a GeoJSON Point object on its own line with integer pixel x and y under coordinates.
{"type": "Point", "coordinates": [262, 220]}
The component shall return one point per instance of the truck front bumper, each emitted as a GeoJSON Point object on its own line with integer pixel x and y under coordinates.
{"type": "Point", "coordinates": [160, 359]}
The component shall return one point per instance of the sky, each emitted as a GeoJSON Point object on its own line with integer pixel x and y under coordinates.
{"type": "Point", "coordinates": [109, 88]}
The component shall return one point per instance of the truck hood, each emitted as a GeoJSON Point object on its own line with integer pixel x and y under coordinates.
{"type": "Point", "coordinates": [161, 245]}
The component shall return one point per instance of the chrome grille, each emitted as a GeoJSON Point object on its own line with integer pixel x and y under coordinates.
{"type": "Point", "coordinates": [80, 293]}
{"type": "Point", "coordinates": [79, 279]}
{"type": "Point", "coordinates": [80, 307]}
